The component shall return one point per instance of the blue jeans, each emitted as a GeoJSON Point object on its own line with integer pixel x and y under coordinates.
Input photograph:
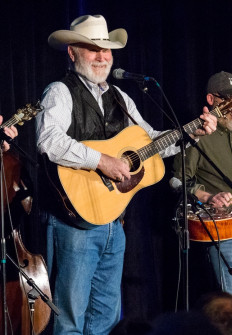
{"type": "Point", "coordinates": [226, 277]}
{"type": "Point", "coordinates": [88, 276]}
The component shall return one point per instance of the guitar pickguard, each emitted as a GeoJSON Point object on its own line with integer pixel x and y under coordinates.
{"type": "Point", "coordinates": [128, 184]}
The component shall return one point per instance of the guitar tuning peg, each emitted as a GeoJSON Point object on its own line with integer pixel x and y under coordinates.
{"type": "Point", "coordinates": [20, 123]}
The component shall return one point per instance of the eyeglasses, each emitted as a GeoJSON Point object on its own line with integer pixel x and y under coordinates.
{"type": "Point", "coordinates": [220, 96]}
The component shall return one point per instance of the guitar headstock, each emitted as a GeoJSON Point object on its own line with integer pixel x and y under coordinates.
{"type": "Point", "coordinates": [27, 113]}
{"type": "Point", "coordinates": [223, 108]}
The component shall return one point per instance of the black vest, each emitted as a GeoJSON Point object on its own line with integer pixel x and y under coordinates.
{"type": "Point", "coordinates": [88, 122]}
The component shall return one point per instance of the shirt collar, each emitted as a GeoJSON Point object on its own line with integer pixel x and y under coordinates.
{"type": "Point", "coordinates": [103, 87]}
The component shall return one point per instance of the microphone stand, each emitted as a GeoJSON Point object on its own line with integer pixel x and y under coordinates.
{"type": "Point", "coordinates": [3, 252]}
{"type": "Point", "coordinates": [36, 291]}
{"type": "Point", "coordinates": [185, 235]}
{"type": "Point", "coordinates": [185, 229]}
{"type": "Point", "coordinates": [9, 140]}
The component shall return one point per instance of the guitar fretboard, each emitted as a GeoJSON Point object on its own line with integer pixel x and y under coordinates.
{"type": "Point", "coordinates": [172, 137]}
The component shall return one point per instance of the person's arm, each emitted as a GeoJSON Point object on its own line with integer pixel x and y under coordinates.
{"type": "Point", "coordinates": [51, 127]}
{"type": "Point", "coordinates": [191, 163]}
{"type": "Point", "coordinates": [216, 200]}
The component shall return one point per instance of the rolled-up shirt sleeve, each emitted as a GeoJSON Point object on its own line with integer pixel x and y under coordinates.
{"type": "Point", "coordinates": [51, 127]}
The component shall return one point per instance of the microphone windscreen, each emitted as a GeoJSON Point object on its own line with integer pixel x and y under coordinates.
{"type": "Point", "coordinates": [118, 73]}
{"type": "Point", "coordinates": [175, 183]}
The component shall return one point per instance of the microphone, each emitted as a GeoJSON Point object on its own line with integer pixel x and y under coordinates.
{"type": "Point", "coordinates": [122, 74]}
{"type": "Point", "coordinates": [175, 183]}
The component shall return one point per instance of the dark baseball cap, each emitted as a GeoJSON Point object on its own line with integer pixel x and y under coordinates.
{"type": "Point", "coordinates": [221, 83]}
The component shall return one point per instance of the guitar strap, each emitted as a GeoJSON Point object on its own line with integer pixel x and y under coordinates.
{"type": "Point", "coordinates": [123, 108]}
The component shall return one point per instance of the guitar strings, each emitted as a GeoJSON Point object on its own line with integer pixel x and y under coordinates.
{"type": "Point", "coordinates": [152, 147]}
{"type": "Point", "coordinates": [9, 123]}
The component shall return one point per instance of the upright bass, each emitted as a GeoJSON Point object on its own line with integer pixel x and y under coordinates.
{"type": "Point", "coordinates": [27, 314]}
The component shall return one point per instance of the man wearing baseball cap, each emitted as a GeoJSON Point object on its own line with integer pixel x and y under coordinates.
{"type": "Point", "coordinates": [208, 185]}
{"type": "Point", "coordinates": [220, 83]}
{"type": "Point", "coordinates": [83, 106]}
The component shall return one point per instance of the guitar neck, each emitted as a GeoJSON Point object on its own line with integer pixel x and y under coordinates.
{"type": "Point", "coordinates": [172, 137]}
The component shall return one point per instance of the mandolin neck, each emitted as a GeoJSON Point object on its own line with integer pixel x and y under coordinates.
{"type": "Point", "coordinates": [16, 118]}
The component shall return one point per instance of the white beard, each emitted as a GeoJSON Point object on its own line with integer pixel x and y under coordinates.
{"type": "Point", "coordinates": [86, 69]}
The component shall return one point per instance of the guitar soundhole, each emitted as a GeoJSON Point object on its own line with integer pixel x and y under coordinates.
{"type": "Point", "coordinates": [133, 160]}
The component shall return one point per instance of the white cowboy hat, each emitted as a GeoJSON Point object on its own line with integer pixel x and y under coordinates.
{"type": "Point", "coordinates": [91, 30]}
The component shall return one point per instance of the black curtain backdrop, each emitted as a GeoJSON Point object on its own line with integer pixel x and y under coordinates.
{"type": "Point", "coordinates": [180, 43]}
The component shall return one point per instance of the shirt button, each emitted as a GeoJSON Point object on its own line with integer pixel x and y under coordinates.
{"type": "Point", "coordinates": [107, 123]}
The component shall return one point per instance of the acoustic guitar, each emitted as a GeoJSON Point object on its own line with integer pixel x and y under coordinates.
{"type": "Point", "coordinates": [99, 200]}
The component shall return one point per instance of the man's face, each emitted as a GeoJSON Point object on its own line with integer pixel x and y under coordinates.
{"type": "Point", "coordinates": [226, 121]}
{"type": "Point", "coordinates": [91, 61]}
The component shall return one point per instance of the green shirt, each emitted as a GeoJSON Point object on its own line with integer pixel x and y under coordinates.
{"type": "Point", "coordinates": [218, 148]}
